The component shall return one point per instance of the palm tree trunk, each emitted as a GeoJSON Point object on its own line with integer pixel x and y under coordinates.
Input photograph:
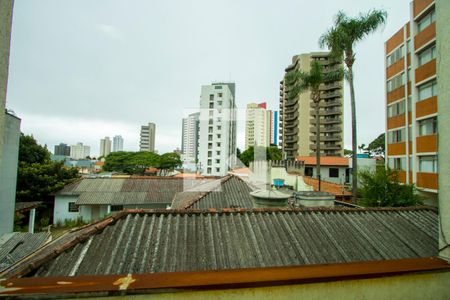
{"type": "Point", "coordinates": [318, 142]}
{"type": "Point", "coordinates": [354, 137]}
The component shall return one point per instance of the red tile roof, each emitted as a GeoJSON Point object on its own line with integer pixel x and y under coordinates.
{"type": "Point", "coordinates": [333, 188]}
{"type": "Point", "coordinates": [325, 160]}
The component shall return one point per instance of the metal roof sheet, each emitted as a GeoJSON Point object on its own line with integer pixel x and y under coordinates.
{"type": "Point", "coordinates": [171, 241]}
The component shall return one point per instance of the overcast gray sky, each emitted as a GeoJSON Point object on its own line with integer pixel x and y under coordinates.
{"type": "Point", "coordinates": [81, 70]}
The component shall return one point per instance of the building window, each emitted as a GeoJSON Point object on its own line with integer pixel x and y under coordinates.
{"type": "Point", "coordinates": [219, 103]}
{"type": "Point", "coordinates": [427, 55]}
{"type": "Point", "coordinates": [217, 169]}
{"type": "Point", "coordinates": [396, 109]}
{"type": "Point", "coordinates": [73, 207]}
{"type": "Point", "coordinates": [428, 164]}
{"type": "Point", "coordinates": [211, 97]}
{"type": "Point", "coordinates": [333, 172]}
{"type": "Point", "coordinates": [211, 105]}
{"type": "Point", "coordinates": [309, 171]}
{"type": "Point", "coordinates": [395, 56]}
{"type": "Point", "coordinates": [217, 161]}
{"type": "Point", "coordinates": [396, 82]}
{"type": "Point", "coordinates": [428, 126]}
{"type": "Point", "coordinates": [211, 113]}
{"type": "Point", "coordinates": [428, 90]}
{"type": "Point", "coordinates": [219, 136]}
{"type": "Point", "coordinates": [396, 136]}
{"type": "Point", "coordinates": [218, 87]}
{"type": "Point", "coordinates": [219, 127]}
{"type": "Point", "coordinates": [209, 153]}
{"type": "Point", "coordinates": [210, 137]}
{"type": "Point", "coordinates": [210, 129]}
{"type": "Point", "coordinates": [426, 21]}
{"type": "Point", "coordinates": [218, 144]}
{"type": "Point", "coordinates": [218, 152]}
{"type": "Point", "coordinates": [210, 146]}
{"type": "Point", "coordinates": [116, 207]}
{"type": "Point", "coordinates": [210, 122]}
{"type": "Point", "coordinates": [220, 95]}
{"type": "Point", "coordinates": [208, 170]}
{"type": "Point", "coordinates": [398, 163]}
{"type": "Point", "coordinates": [209, 162]}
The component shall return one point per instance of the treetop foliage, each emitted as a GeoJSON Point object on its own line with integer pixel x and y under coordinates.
{"type": "Point", "coordinates": [138, 162]}
{"type": "Point", "coordinates": [272, 153]}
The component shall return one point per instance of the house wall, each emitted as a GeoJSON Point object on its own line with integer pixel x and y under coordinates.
{"type": "Point", "coordinates": [325, 174]}
{"type": "Point", "coordinates": [411, 286]}
{"type": "Point", "coordinates": [61, 210]}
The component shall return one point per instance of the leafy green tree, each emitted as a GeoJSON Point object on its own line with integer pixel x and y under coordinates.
{"type": "Point", "coordinates": [272, 153]}
{"type": "Point", "coordinates": [170, 161]}
{"type": "Point", "coordinates": [382, 188]}
{"type": "Point", "coordinates": [37, 175]}
{"type": "Point", "coordinates": [299, 82]}
{"type": "Point", "coordinates": [341, 40]}
{"type": "Point", "coordinates": [378, 146]}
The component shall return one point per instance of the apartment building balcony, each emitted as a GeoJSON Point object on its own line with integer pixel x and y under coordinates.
{"type": "Point", "coordinates": [290, 103]}
{"type": "Point", "coordinates": [329, 129]}
{"type": "Point", "coordinates": [396, 94]}
{"type": "Point", "coordinates": [335, 94]}
{"type": "Point", "coordinates": [396, 121]}
{"type": "Point", "coordinates": [291, 139]}
{"type": "Point", "coordinates": [323, 104]}
{"type": "Point", "coordinates": [425, 36]}
{"type": "Point", "coordinates": [331, 86]}
{"type": "Point", "coordinates": [326, 147]}
{"type": "Point", "coordinates": [291, 109]}
{"type": "Point", "coordinates": [290, 132]}
{"type": "Point", "coordinates": [396, 149]}
{"type": "Point", "coordinates": [426, 70]}
{"type": "Point", "coordinates": [426, 143]}
{"type": "Point", "coordinates": [291, 117]}
{"type": "Point", "coordinates": [326, 112]}
{"type": "Point", "coordinates": [427, 180]}
{"type": "Point", "coordinates": [326, 138]}
{"type": "Point", "coordinates": [426, 107]}
{"type": "Point", "coordinates": [293, 124]}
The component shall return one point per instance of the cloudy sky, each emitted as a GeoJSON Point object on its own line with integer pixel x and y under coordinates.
{"type": "Point", "coordinates": [81, 70]}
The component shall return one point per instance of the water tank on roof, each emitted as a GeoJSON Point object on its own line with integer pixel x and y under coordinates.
{"type": "Point", "coordinates": [270, 198]}
{"type": "Point", "coordinates": [313, 199]}
{"type": "Point", "coordinates": [278, 182]}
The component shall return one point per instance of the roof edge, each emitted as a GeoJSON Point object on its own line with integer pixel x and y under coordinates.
{"type": "Point", "coordinates": [221, 279]}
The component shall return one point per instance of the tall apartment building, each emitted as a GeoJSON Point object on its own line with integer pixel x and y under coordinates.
{"type": "Point", "coordinates": [105, 146]}
{"type": "Point", "coordinates": [258, 125]}
{"type": "Point", "coordinates": [189, 138]}
{"type": "Point", "coordinates": [79, 151]}
{"type": "Point", "coordinates": [412, 98]}
{"type": "Point", "coordinates": [297, 115]}
{"type": "Point", "coordinates": [62, 149]}
{"type": "Point", "coordinates": [147, 142]}
{"type": "Point", "coordinates": [217, 134]}
{"type": "Point", "coordinates": [117, 143]}
{"type": "Point", "coordinates": [274, 138]}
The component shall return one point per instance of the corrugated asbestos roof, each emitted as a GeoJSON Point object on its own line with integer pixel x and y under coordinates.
{"type": "Point", "coordinates": [228, 192]}
{"type": "Point", "coordinates": [128, 191]}
{"type": "Point", "coordinates": [17, 245]}
{"type": "Point", "coordinates": [172, 241]}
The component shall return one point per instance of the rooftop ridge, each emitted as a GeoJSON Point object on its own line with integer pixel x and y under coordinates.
{"type": "Point", "coordinates": [204, 194]}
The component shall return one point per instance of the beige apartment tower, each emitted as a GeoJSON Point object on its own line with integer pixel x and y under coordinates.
{"type": "Point", "coordinates": [258, 125]}
{"type": "Point", "coordinates": [297, 115]}
{"type": "Point", "coordinates": [147, 142]}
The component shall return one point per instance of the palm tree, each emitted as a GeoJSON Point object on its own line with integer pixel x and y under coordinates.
{"type": "Point", "coordinates": [341, 39]}
{"type": "Point", "coordinates": [299, 81]}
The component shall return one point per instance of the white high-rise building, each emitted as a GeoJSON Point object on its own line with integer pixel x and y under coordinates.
{"type": "Point", "coordinates": [189, 139]}
{"type": "Point", "coordinates": [105, 146]}
{"type": "Point", "coordinates": [217, 134]}
{"type": "Point", "coordinates": [147, 142]}
{"type": "Point", "coordinates": [258, 125]}
{"type": "Point", "coordinates": [79, 151]}
{"type": "Point", "coordinates": [117, 143]}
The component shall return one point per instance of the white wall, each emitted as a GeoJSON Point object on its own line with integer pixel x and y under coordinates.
{"type": "Point", "coordinates": [61, 210]}
{"type": "Point", "coordinates": [325, 174]}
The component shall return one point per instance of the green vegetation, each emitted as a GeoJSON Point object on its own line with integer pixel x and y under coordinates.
{"type": "Point", "coordinates": [138, 162]}
{"type": "Point", "coordinates": [272, 153]}
{"type": "Point", "coordinates": [38, 176]}
{"type": "Point", "coordinates": [376, 147]}
{"type": "Point", "coordinates": [382, 188]}
{"type": "Point", "coordinates": [341, 40]}
{"type": "Point", "coordinates": [299, 82]}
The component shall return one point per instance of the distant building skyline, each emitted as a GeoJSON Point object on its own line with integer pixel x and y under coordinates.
{"type": "Point", "coordinates": [217, 134]}
{"type": "Point", "coordinates": [258, 125]}
{"type": "Point", "coordinates": [189, 138]}
{"type": "Point", "coordinates": [79, 151]}
{"type": "Point", "coordinates": [117, 143]}
{"type": "Point", "coordinates": [105, 146]}
{"type": "Point", "coordinates": [147, 137]}
{"type": "Point", "coordinates": [62, 149]}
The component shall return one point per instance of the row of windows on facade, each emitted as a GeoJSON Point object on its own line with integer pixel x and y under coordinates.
{"type": "Point", "coordinates": [210, 153]}
{"type": "Point", "coordinates": [424, 57]}
{"type": "Point", "coordinates": [209, 170]}
{"type": "Point", "coordinates": [209, 162]}
{"type": "Point", "coordinates": [72, 207]}
{"type": "Point", "coordinates": [426, 127]}
{"type": "Point", "coordinates": [398, 53]}
{"type": "Point", "coordinates": [427, 164]}
{"type": "Point", "coordinates": [425, 91]}
{"type": "Point", "coordinates": [332, 172]}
